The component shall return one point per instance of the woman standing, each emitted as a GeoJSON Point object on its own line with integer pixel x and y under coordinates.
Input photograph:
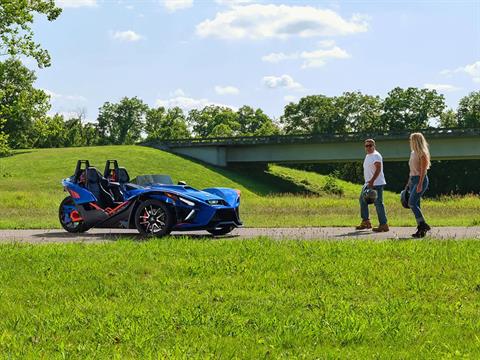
{"type": "Point", "coordinates": [419, 163]}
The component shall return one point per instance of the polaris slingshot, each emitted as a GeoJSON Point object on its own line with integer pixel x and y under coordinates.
{"type": "Point", "coordinates": [150, 203]}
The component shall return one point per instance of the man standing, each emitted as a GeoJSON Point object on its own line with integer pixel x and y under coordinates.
{"type": "Point", "coordinates": [374, 179]}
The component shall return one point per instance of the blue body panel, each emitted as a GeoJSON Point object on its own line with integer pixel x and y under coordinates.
{"type": "Point", "coordinates": [194, 209]}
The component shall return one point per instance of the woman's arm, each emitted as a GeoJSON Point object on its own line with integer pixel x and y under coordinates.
{"type": "Point", "coordinates": [423, 171]}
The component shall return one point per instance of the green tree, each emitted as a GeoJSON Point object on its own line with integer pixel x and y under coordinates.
{"type": "Point", "coordinates": [255, 122]}
{"type": "Point", "coordinates": [49, 132]}
{"type": "Point", "coordinates": [448, 119]}
{"type": "Point", "coordinates": [204, 121]}
{"type": "Point", "coordinates": [16, 34]}
{"type": "Point", "coordinates": [74, 135]}
{"type": "Point", "coordinates": [360, 112]}
{"type": "Point", "coordinates": [166, 124]}
{"type": "Point", "coordinates": [411, 108]}
{"type": "Point", "coordinates": [91, 134]}
{"type": "Point", "coordinates": [4, 147]}
{"type": "Point", "coordinates": [121, 123]}
{"type": "Point", "coordinates": [314, 114]}
{"type": "Point", "coordinates": [20, 102]}
{"type": "Point", "coordinates": [468, 112]}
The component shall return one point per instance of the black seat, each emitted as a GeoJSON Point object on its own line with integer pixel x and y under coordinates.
{"type": "Point", "coordinates": [121, 175]}
{"type": "Point", "coordinates": [97, 184]}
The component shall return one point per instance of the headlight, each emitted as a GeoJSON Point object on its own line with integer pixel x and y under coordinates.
{"type": "Point", "coordinates": [185, 201]}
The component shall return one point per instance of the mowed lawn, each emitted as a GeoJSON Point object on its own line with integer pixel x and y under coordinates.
{"type": "Point", "coordinates": [194, 298]}
{"type": "Point", "coordinates": [30, 190]}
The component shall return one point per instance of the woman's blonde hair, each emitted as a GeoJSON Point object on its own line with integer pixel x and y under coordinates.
{"type": "Point", "coordinates": [420, 146]}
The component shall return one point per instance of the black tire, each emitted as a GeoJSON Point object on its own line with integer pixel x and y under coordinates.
{"type": "Point", "coordinates": [70, 226]}
{"type": "Point", "coordinates": [153, 218]}
{"type": "Point", "coordinates": [221, 231]}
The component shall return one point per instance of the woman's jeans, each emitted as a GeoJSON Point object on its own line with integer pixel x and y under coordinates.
{"type": "Point", "coordinates": [382, 217]}
{"type": "Point", "coordinates": [414, 200]}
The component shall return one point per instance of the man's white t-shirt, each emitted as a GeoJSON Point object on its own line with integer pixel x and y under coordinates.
{"type": "Point", "coordinates": [369, 168]}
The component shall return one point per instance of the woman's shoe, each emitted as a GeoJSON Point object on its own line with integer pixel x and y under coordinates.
{"type": "Point", "coordinates": [419, 234]}
{"type": "Point", "coordinates": [422, 229]}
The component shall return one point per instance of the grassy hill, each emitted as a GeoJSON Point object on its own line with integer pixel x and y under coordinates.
{"type": "Point", "coordinates": [30, 190]}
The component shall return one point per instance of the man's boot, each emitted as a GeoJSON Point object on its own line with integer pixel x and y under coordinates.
{"type": "Point", "coordinates": [381, 228]}
{"type": "Point", "coordinates": [365, 224]}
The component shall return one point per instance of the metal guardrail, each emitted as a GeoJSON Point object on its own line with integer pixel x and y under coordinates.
{"type": "Point", "coordinates": [310, 138]}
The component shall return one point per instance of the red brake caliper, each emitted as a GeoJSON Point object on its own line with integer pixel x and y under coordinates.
{"type": "Point", "coordinates": [75, 216]}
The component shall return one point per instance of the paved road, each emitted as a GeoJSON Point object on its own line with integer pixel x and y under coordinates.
{"type": "Point", "coordinates": [337, 233]}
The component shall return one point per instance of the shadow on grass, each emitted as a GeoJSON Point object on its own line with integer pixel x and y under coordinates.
{"type": "Point", "coordinates": [62, 236]}
{"type": "Point", "coordinates": [355, 233]}
{"type": "Point", "coordinates": [254, 178]}
{"type": "Point", "coordinates": [20, 152]}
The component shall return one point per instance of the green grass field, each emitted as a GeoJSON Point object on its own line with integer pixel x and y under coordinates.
{"type": "Point", "coordinates": [30, 190]}
{"type": "Point", "coordinates": [185, 298]}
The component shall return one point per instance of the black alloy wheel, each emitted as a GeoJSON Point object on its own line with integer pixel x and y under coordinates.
{"type": "Point", "coordinates": [153, 218]}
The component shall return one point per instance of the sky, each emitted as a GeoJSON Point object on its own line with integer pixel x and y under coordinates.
{"type": "Point", "coordinates": [191, 53]}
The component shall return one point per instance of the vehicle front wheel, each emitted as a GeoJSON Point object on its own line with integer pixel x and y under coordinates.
{"type": "Point", "coordinates": [69, 216]}
{"type": "Point", "coordinates": [221, 231]}
{"type": "Point", "coordinates": [153, 218]}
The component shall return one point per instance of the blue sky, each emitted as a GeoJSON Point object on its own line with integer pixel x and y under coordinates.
{"type": "Point", "coordinates": [191, 53]}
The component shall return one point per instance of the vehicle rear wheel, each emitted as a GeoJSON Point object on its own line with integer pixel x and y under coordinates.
{"type": "Point", "coordinates": [153, 218]}
{"type": "Point", "coordinates": [221, 231]}
{"type": "Point", "coordinates": [69, 216]}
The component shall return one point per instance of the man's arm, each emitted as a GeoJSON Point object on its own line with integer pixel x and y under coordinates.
{"type": "Point", "coordinates": [378, 168]}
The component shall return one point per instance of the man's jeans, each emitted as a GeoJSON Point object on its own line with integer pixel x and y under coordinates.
{"type": "Point", "coordinates": [414, 200]}
{"type": "Point", "coordinates": [382, 217]}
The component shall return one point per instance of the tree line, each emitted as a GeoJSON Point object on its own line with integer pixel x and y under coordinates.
{"type": "Point", "coordinates": [24, 122]}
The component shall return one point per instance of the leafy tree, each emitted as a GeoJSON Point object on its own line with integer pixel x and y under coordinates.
{"type": "Point", "coordinates": [255, 122]}
{"type": "Point", "coordinates": [91, 134]}
{"type": "Point", "coordinates": [469, 111]}
{"type": "Point", "coordinates": [313, 114]}
{"type": "Point", "coordinates": [121, 123]}
{"type": "Point", "coordinates": [74, 134]}
{"type": "Point", "coordinates": [16, 34]}
{"type": "Point", "coordinates": [4, 147]}
{"type": "Point", "coordinates": [166, 124]}
{"type": "Point", "coordinates": [49, 132]}
{"type": "Point", "coordinates": [360, 112]}
{"type": "Point", "coordinates": [20, 102]}
{"type": "Point", "coordinates": [411, 108]}
{"type": "Point", "coordinates": [204, 121]}
{"type": "Point", "coordinates": [448, 119]}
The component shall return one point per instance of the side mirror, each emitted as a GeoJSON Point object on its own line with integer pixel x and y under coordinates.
{"type": "Point", "coordinates": [182, 183]}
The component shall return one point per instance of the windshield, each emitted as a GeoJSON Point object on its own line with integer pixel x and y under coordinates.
{"type": "Point", "coordinates": [145, 180]}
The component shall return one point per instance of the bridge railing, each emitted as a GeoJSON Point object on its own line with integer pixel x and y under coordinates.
{"type": "Point", "coordinates": [311, 138]}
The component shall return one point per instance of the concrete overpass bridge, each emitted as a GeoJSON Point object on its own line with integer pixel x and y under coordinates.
{"type": "Point", "coordinates": [445, 144]}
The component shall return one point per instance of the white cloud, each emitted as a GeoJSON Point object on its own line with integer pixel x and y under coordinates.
{"type": "Point", "coordinates": [76, 3]}
{"type": "Point", "coordinates": [55, 96]}
{"type": "Point", "coordinates": [277, 57]}
{"type": "Point", "coordinates": [187, 103]}
{"type": "Point", "coordinates": [290, 98]}
{"type": "Point", "coordinates": [283, 81]}
{"type": "Point", "coordinates": [326, 43]}
{"type": "Point", "coordinates": [257, 21]}
{"type": "Point", "coordinates": [226, 90]}
{"type": "Point", "coordinates": [441, 87]}
{"type": "Point", "coordinates": [473, 70]}
{"type": "Point", "coordinates": [129, 36]}
{"type": "Point", "coordinates": [317, 57]}
{"type": "Point", "coordinates": [174, 5]}
{"type": "Point", "coordinates": [314, 58]}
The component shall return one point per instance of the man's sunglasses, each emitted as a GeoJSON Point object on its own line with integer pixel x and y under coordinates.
{"type": "Point", "coordinates": [368, 145]}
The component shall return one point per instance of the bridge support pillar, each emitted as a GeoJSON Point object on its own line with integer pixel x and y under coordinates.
{"type": "Point", "coordinates": [214, 155]}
